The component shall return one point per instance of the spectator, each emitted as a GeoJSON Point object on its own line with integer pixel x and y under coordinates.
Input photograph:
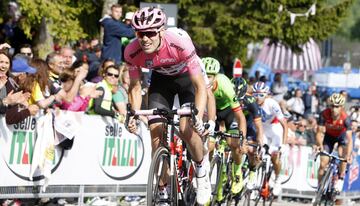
{"type": "Point", "coordinates": [56, 65]}
{"type": "Point", "coordinates": [278, 88]}
{"type": "Point", "coordinates": [120, 91]}
{"type": "Point", "coordinates": [113, 31]}
{"type": "Point", "coordinates": [94, 43]}
{"type": "Point", "coordinates": [310, 101]}
{"type": "Point", "coordinates": [20, 110]}
{"type": "Point", "coordinates": [295, 105]}
{"type": "Point", "coordinates": [38, 85]}
{"type": "Point", "coordinates": [310, 131]}
{"type": "Point", "coordinates": [103, 65]}
{"type": "Point", "coordinates": [291, 131]}
{"type": "Point", "coordinates": [104, 105]}
{"type": "Point", "coordinates": [8, 98]}
{"type": "Point", "coordinates": [125, 40]}
{"type": "Point", "coordinates": [26, 49]}
{"type": "Point", "coordinates": [355, 134]}
{"type": "Point", "coordinates": [81, 101]}
{"type": "Point", "coordinates": [67, 54]}
{"type": "Point", "coordinates": [355, 113]}
{"type": "Point", "coordinates": [300, 132]}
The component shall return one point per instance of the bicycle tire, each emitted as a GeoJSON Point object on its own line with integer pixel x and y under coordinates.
{"type": "Point", "coordinates": [321, 189]}
{"type": "Point", "coordinates": [189, 196]}
{"type": "Point", "coordinates": [247, 199]}
{"type": "Point", "coordinates": [216, 161]}
{"type": "Point", "coordinates": [261, 175]}
{"type": "Point", "coordinates": [161, 157]}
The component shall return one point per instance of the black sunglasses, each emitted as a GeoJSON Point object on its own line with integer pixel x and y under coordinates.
{"type": "Point", "coordinates": [27, 54]}
{"type": "Point", "coordinates": [335, 106]}
{"type": "Point", "coordinates": [148, 34]}
{"type": "Point", "coordinates": [111, 74]}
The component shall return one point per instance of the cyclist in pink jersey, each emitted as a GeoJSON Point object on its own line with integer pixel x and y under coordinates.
{"type": "Point", "coordinates": [175, 70]}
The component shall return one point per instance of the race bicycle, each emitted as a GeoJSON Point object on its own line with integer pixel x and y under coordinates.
{"type": "Point", "coordinates": [170, 164]}
{"type": "Point", "coordinates": [262, 190]}
{"type": "Point", "coordinates": [221, 170]}
{"type": "Point", "coordinates": [326, 192]}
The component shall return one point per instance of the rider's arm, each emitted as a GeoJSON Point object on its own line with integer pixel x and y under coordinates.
{"type": "Point", "coordinates": [211, 105]}
{"type": "Point", "coordinates": [135, 97]}
{"type": "Point", "coordinates": [200, 93]}
{"type": "Point", "coordinates": [240, 117]}
{"type": "Point", "coordinates": [254, 109]}
{"type": "Point", "coordinates": [259, 131]}
{"type": "Point", "coordinates": [283, 123]}
{"type": "Point", "coordinates": [319, 137]}
{"type": "Point", "coordinates": [349, 140]}
{"type": "Point", "coordinates": [280, 116]}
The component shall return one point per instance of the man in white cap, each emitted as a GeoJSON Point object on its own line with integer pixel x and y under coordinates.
{"type": "Point", "coordinates": [127, 20]}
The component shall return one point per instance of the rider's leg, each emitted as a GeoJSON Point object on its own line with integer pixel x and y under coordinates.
{"type": "Point", "coordinates": [195, 146]}
{"type": "Point", "coordinates": [342, 153]}
{"type": "Point", "coordinates": [211, 147]}
{"type": "Point", "coordinates": [342, 150]}
{"type": "Point", "coordinates": [236, 153]}
{"type": "Point", "coordinates": [157, 132]}
{"type": "Point", "coordinates": [192, 140]}
{"type": "Point", "coordinates": [324, 161]}
{"type": "Point", "coordinates": [275, 159]}
{"type": "Point", "coordinates": [328, 145]}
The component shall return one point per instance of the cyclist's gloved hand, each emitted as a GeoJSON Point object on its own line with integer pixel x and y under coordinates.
{"type": "Point", "coordinates": [132, 125]}
{"type": "Point", "coordinates": [198, 125]}
{"type": "Point", "coordinates": [211, 127]}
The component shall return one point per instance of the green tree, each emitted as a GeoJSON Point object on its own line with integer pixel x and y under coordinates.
{"type": "Point", "coordinates": [52, 18]}
{"type": "Point", "coordinates": [223, 28]}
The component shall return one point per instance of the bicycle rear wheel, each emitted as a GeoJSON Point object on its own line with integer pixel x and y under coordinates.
{"type": "Point", "coordinates": [215, 174]}
{"type": "Point", "coordinates": [322, 187]}
{"type": "Point", "coordinates": [158, 175]}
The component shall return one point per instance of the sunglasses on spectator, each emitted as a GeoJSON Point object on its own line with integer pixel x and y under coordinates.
{"type": "Point", "coordinates": [148, 34]}
{"type": "Point", "coordinates": [27, 54]}
{"type": "Point", "coordinates": [260, 95]}
{"type": "Point", "coordinates": [335, 106]}
{"type": "Point", "coordinates": [112, 75]}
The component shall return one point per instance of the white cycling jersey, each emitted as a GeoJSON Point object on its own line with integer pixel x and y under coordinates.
{"type": "Point", "coordinates": [270, 115]}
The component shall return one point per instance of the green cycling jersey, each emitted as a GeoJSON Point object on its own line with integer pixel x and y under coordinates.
{"type": "Point", "coordinates": [224, 93]}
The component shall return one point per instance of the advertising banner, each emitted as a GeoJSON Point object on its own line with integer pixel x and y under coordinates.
{"type": "Point", "coordinates": [103, 152]}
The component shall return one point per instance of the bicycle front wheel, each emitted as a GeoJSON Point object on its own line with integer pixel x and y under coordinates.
{"type": "Point", "coordinates": [261, 184]}
{"type": "Point", "coordinates": [215, 174]}
{"type": "Point", "coordinates": [322, 187]}
{"type": "Point", "coordinates": [159, 177]}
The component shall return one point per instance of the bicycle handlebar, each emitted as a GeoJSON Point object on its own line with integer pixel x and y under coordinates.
{"type": "Point", "coordinates": [162, 112]}
{"type": "Point", "coordinates": [224, 135]}
{"type": "Point", "coordinates": [330, 155]}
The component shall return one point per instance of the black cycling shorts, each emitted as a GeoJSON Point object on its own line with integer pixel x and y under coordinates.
{"type": "Point", "coordinates": [226, 115]}
{"type": "Point", "coordinates": [330, 141]}
{"type": "Point", "coordinates": [163, 89]}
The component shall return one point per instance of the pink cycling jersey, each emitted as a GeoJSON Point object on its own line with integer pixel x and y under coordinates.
{"type": "Point", "coordinates": [177, 55]}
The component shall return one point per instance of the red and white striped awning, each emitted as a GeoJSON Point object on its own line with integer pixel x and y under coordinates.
{"type": "Point", "coordinates": [281, 58]}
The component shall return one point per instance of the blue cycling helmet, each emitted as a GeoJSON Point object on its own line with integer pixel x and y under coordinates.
{"type": "Point", "coordinates": [260, 87]}
{"type": "Point", "coordinates": [240, 87]}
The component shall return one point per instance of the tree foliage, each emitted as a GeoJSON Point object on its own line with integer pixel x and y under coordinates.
{"type": "Point", "coordinates": [61, 17]}
{"type": "Point", "coordinates": [223, 28]}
